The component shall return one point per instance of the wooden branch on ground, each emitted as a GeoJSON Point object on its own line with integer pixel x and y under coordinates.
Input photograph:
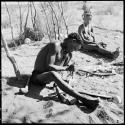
{"type": "Point", "coordinates": [118, 64]}
{"type": "Point", "coordinates": [108, 29]}
{"type": "Point", "coordinates": [96, 95]}
{"type": "Point", "coordinates": [96, 74]}
{"type": "Point", "coordinates": [11, 58]}
{"type": "Point", "coordinates": [115, 99]}
{"type": "Point", "coordinates": [62, 99]}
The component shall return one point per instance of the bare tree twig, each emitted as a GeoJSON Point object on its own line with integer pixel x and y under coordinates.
{"type": "Point", "coordinates": [31, 13]}
{"type": "Point", "coordinates": [50, 4]}
{"type": "Point", "coordinates": [11, 58]}
{"type": "Point", "coordinates": [20, 18]}
{"type": "Point", "coordinates": [10, 22]}
{"type": "Point", "coordinates": [47, 26]}
{"type": "Point", "coordinates": [61, 11]}
{"type": "Point", "coordinates": [26, 17]}
{"type": "Point", "coordinates": [34, 24]}
{"type": "Point", "coordinates": [53, 24]}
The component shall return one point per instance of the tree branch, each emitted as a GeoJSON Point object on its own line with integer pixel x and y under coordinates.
{"type": "Point", "coordinates": [26, 17]}
{"type": "Point", "coordinates": [96, 74]}
{"type": "Point", "coordinates": [34, 24]}
{"type": "Point", "coordinates": [11, 58]}
{"type": "Point", "coordinates": [31, 14]}
{"type": "Point", "coordinates": [20, 18]}
{"type": "Point", "coordinates": [53, 24]}
{"type": "Point", "coordinates": [61, 11]}
{"type": "Point", "coordinates": [50, 4]}
{"type": "Point", "coordinates": [10, 22]}
{"type": "Point", "coordinates": [47, 26]}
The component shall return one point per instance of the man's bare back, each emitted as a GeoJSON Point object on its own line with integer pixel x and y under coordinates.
{"type": "Point", "coordinates": [53, 50]}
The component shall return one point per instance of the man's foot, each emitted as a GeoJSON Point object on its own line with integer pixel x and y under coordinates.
{"type": "Point", "coordinates": [102, 44]}
{"type": "Point", "coordinates": [24, 90]}
{"type": "Point", "coordinates": [116, 53]}
{"type": "Point", "coordinates": [92, 104]}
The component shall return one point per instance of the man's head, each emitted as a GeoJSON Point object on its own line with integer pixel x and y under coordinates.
{"type": "Point", "coordinates": [87, 16]}
{"type": "Point", "coordinates": [72, 43]}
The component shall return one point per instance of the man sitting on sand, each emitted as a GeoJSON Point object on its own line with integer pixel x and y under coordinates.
{"type": "Point", "coordinates": [55, 57]}
{"type": "Point", "coordinates": [86, 33]}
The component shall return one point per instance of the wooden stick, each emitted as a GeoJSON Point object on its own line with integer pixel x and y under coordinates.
{"type": "Point", "coordinates": [11, 58]}
{"type": "Point", "coordinates": [96, 95]}
{"type": "Point", "coordinates": [115, 99]}
{"type": "Point", "coordinates": [96, 74]}
{"type": "Point", "coordinates": [118, 64]}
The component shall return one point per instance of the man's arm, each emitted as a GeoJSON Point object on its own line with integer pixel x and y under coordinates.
{"type": "Point", "coordinates": [87, 41]}
{"type": "Point", "coordinates": [83, 35]}
{"type": "Point", "coordinates": [51, 59]}
{"type": "Point", "coordinates": [92, 34]}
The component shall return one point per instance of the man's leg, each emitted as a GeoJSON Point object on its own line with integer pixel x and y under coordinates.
{"type": "Point", "coordinates": [100, 50]}
{"type": "Point", "coordinates": [106, 53]}
{"type": "Point", "coordinates": [54, 76]}
{"type": "Point", "coordinates": [89, 47]}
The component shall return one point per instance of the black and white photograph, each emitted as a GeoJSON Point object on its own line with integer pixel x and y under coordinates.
{"type": "Point", "coordinates": [62, 62]}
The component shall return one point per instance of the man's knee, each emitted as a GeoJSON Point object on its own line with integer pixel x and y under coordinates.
{"type": "Point", "coordinates": [55, 74]}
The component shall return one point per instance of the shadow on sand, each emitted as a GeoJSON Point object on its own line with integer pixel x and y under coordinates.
{"type": "Point", "coordinates": [35, 90]}
{"type": "Point", "coordinates": [97, 55]}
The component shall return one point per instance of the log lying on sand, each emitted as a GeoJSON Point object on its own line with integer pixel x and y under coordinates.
{"type": "Point", "coordinates": [96, 95]}
{"type": "Point", "coordinates": [118, 64]}
{"type": "Point", "coordinates": [96, 74]}
{"type": "Point", "coordinates": [115, 99]}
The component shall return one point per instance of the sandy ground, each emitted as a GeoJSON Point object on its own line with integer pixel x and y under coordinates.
{"type": "Point", "coordinates": [43, 106]}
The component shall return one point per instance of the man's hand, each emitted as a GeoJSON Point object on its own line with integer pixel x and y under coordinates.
{"type": "Point", "coordinates": [71, 68]}
{"type": "Point", "coordinates": [102, 44]}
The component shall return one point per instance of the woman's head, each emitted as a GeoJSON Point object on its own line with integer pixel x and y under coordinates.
{"type": "Point", "coordinates": [72, 43]}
